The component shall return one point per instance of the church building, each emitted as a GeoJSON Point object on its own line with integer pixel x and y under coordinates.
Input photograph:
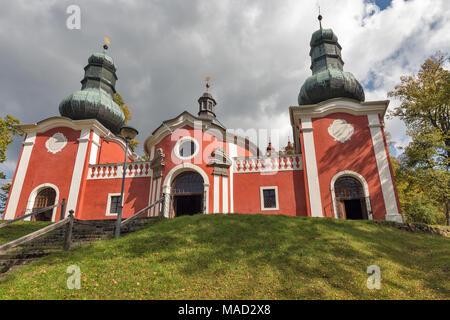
{"type": "Point", "coordinates": [337, 166]}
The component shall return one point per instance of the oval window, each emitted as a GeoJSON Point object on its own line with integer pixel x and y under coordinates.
{"type": "Point", "coordinates": [187, 148]}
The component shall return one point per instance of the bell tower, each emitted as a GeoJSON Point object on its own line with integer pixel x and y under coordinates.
{"type": "Point", "coordinates": [207, 104]}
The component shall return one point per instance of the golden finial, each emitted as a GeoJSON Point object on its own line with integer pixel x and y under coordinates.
{"type": "Point", "coordinates": [208, 79]}
{"type": "Point", "coordinates": [107, 42]}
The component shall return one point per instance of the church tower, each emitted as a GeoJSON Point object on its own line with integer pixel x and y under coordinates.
{"type": "Point", "coordinates": [347, 172]}
{"type": "Point", "coordinates": [328, 79]}
{"type": "Point", "coordinates": [207, 104]}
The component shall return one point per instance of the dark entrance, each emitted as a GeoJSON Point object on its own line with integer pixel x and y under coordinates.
{"type": "Point", "coordinates": [350, 200]}
{"type": "Point", "coordinates": [44, 198]}
{"type": "Point", "coordinates": [187, 192]}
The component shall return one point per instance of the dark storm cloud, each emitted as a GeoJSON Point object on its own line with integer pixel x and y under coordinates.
{"type": "Point", "coordinates": [256, 53]}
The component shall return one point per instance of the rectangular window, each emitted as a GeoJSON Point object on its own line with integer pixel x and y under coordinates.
{"type": "Point", "coordinates": [112, 208]}
{"type": "Point", "coordinates": [269, 198]}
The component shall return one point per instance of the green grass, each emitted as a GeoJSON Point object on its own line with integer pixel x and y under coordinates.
{"type": "Point", "coordinates": [245, 257]}
{"type": "Point", "coordinates": [19, 229]}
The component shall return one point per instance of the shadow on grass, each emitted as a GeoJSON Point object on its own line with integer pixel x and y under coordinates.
{"type": "Point", "coordinates": [298, 252]}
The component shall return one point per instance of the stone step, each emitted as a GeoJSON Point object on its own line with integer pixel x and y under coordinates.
{"type": "Point", "coordinates": [83, 232]}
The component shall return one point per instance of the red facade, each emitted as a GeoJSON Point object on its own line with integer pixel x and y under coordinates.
{"type": "Point", "coordinates": [81, 160]}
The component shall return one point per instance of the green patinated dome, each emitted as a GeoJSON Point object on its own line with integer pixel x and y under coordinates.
{"type": "Point", "coordinates": [328, 80]}
{"type": "Point", "coordinates": [95, 99]}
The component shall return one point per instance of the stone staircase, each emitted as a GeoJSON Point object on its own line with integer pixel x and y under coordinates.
{"type": "Point", "coordinates": [83, 232]}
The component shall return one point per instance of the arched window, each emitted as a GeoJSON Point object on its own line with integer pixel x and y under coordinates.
{"type": "Point", "coordinates": [348, 188]}
{"type": "Point", "coordinates": [45, 198]}
{"type": "Point", "coordinates": [187, 182]}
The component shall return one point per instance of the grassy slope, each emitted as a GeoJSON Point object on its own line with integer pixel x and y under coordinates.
{"type": "Point", "coordinates": [19, 229]}
{"type": "Point", "coordinates": [245, 257]}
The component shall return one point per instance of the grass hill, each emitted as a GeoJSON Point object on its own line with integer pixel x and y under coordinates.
{"type": "Point", "coordinates": [244, 257]}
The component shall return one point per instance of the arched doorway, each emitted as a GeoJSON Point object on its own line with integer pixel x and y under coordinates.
{"type": "Point", "coordinates": [350, 199]}
{"type": "Point", "coordinates": [187, 194]}
{"type": "Point", "coordinates": [45, 198]}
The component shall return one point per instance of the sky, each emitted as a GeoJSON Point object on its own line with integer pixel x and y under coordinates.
{"type": "Point", "coordinates": [255, 51]}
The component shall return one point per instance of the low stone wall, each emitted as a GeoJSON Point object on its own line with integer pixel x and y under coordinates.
{"type": "Point", "coordinates": [418, 227]}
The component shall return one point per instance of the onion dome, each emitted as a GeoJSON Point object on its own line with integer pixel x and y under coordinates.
{"type": "Point", "coordinates": [328, 78]}
{"type": "Point", "coordinates": [95, 99]}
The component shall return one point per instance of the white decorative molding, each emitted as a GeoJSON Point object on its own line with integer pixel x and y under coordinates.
{"type": "Point", "coordinates": [216, 208]}
{"type": "Point", "coordinates": [360, 178]}
{"type": "Point", "coordinates": [384, 173]}
{"type": "Point", "coordinates": [340, 130]}
{"type": "Point", "coordinates": [56, 143]}
{"type": "Point", "coordinates": [312, 174]}
{"type": "Point", "coordinates": [74, 191]}
{"type": "Point", "coordinates": [19, 178]}
{"type": "Point", "coordinates": [267, 164]}
{"type": "Point", "coordinates": [115, 170]}
{"type": "Point", "coordinates": [224, 194]}
{"type": "Point", "coordinates": [86, 124]}
{"type": "Point", "coordinates": [205, 125]}
{"type": "Point", "coordinates": [233, 154]}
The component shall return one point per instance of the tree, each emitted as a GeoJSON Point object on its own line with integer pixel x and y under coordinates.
{"type": "Point", "coordinates": [8, 128]}
{"type": "Point", "coordinates": [4, 191]}
{"type": "Point", "coordinates": [126, 112]}
{"type": "Point", "coordinates": [425, 110]}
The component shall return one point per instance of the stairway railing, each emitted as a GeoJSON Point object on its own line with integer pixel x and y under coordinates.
{"type": "Point", "coordinates": [36, 212]}
{"type": "Point", "coordinates": [137, 214]}
{"type": "Point", "coordinates": [68, 222]}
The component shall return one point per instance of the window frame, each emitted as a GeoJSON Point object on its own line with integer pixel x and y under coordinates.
{"type": "Point", "coordinates": [261, 192]}
{"type": "Point", "coordinates": [176, 149]}
{"type": "Point", "coordinates": [108, 205]}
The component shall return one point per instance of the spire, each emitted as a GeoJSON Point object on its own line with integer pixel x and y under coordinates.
{"type": "Point", "coordinates": [320, 19]}
{"type": "Point", "coordinates": [207, 104]}
{"type": "Point", "coordinates": [95, 99]}
{"type": "Point", "coordinates": [329, 79]}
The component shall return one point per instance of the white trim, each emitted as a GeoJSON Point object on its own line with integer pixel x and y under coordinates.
{"type": "Point", "coordinates": [224, 194]}
{"type": "Point", "coordinates": [34, 193]}
{"type": "Point", "coordinates": [176, 149]}
{"type": "Point", "coordinates": [87, 124]}
{"type": "Point", "coordinates": [261, 195]}
{"type": "Point", "coordinates": [360, 178]}
{"type": "Point", "coordinates": [233, 154]}
{"type": "Point", "coordinates": [94, 148]}
{"type": "Point", "coordinates": [337, 105]}
{"type": "Point", "coordinates": [152, 210]}
{"type": "Point", "coordinates": [387, 185]}
{"type": "Point", "coordinates": [75, 183]}
{"type": "Point", "coordinates": [183, 167]}
{"type": "Point", "coordinates": [311, 169]}
{"type": "Point", "coordinates": [158, 192]}
{"type": "Point", "coordinates": [108, 204]}
{"type": "Point", "coordinates": [21, 171]}
{"type": "Point", "coordinates": [216, 208]}
{"type": "Point", "coordinates": [150, 189]}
